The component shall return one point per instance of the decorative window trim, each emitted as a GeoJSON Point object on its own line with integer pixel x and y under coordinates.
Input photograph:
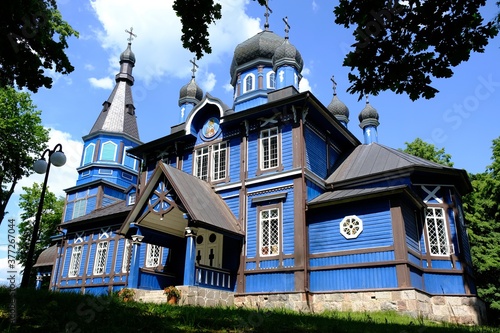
{"type": "Point", "coordinates": [271, 82]}
{"type": "Point", "coordinates": [351, 227]}
{"type": "Point", "coordinates": [88, 156]}
{"type": "Point", "coordinates": [269, 230]}
{"type": "Point", "coordinates": [105, 151]}
{"type": "Point", "coordinates": [75, 262]}
{"type": "Point", "coordinates": [105, 171]}
{"type": "Point", "coordinates": [436, 226]}
{"type": "Point", "coordinates": [101, 258]}
{"type": "Point", "coordinates": [153, 256]}
{"type": "Point", "coordinates": [266, 136]}
{"type": "Point", "coordinates": [245, 83]}
{"type": "Point", "coordinates": [205, 165]}
{"type": "Point", "coordinates": [126, 255]}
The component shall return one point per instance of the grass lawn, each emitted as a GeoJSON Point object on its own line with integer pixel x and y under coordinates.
{"type": "Point", "coordinates": [43, 311]}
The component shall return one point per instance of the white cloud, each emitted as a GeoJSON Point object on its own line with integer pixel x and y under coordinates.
{"type": "Point", "coordinates": [209, 82]}
{"type": "Point", "coordinates": [158, 47]}
{"type": "Point", "coordinates": [104, 83]}
{"type": "Point", "coordinates": [89, 67]}
{"type": "Point", "coordinates": [304, 82]}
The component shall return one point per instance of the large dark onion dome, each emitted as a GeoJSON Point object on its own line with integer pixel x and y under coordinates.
{"type": "Point", "coordinates": [339, 109]}
{"type": "Point", "coordinates": [190, 93]}
{"type": "Point", "coordinates": [287, 54]}
{"type": "Point", "coordinates": [368, 116]}
{"type": "Point", "coordinates": [128, 55]}
{"type": "Point", "coordinates": [259, 48]}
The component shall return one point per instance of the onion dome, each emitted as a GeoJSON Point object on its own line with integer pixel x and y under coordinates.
{"type": "Point", "coordinates": [339, 109]}
{"type": "Point", "coordinates": [368, 114]}
{"type": "Point", "coordinates": [287, 54]}
{"type": "Point", "coordinates": [190, 93]}
{"type": "Point", "coordinates": [260, 47]}
{"type": "Point", "coordinates": [128, 55]}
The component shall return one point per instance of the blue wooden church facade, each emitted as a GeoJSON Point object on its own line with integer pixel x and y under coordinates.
{"type": "Point", "coordinates": [273, 195]}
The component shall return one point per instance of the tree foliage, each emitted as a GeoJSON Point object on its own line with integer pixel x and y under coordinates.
{"type": "Point", "coordinates": [482, 211]}
{"type": "Point", "coordinates": [22, 139]}
{"type": "Point", "coordinates": [33, 37]}
{"type": "Point", "coordinates": [51, 218]}
{"type": "Point", "coordinates": [420, 148]}
{"type": "Point", "coordinates": [398, 45]}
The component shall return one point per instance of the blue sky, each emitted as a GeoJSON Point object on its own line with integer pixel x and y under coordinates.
{"type": "Point", "coordinates": [462, 118]}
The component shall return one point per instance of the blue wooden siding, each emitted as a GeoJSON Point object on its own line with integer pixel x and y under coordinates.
{"type": "Point", "coordinates": [233, 203]}
{"type": "Point", "coordinates": [444, 283]}
{"type": "Point", "coordinates": [416, 278]}
{"type": "Point", "coordinates": [288, 220]}
{"type": "Point", "coordinates": [253, 154]}
{"type": "Point", "coordinates": [234, 159]}
{"type": "Point", "coordinates": [413, 232]}
{"type": "Point", "coordinates": [67, 259]}
{"type": "Point", "coordinates": [187, 162]}
{"type": "Point", "coordinates": [270, 282]}
{"type": "Point", "coordinates": [266, 264]}
{"type": "Point", "coordinates": [442, 264]}
{"type": "Point", "coordinates": [333, 155]}
{"type": "Point", "coordinates": [313, 190]}
{"type": "Point", "coordinates": [414, 259]}
{"type": "Point", "coordinates": [357, 258]}
{"type": "Point", "coordinates": [324, 228]}
{"type": "Point", "coordinates": [315, 153]}
{"type": "Point", "coordinates": [96, 291]}
{"type": "Point", "coordinates": [287, 146]}
{"type": "Point", "coordinates": [353, 278]}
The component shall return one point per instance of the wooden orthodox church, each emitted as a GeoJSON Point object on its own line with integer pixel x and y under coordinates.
{"type": "Point", "coordinates": [271, 202]}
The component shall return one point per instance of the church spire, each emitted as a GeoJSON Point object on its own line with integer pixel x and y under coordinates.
{"type": "Point", "coordinates": [336, 107]}
{"type": "Point", "coordinates": [369, 122]}
{"type": "Point", "coordinates": [189, 95]}
{"type": "Point", "coordinates": [118, 112]}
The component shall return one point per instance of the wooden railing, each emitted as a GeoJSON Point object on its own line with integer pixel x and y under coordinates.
{"type": "Point", "coordinates": [213, 278]}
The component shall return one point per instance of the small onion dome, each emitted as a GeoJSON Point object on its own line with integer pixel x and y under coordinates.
{"type": "Point", "coordinates": [287, 54]}
{"type": "Point", "coordinates": [368, 116]}
{"type": "Point", "coordinates": [128, 55]}
{"type": "Point", "coordinates": [190, 93]}
{"type": "Point", "coordinates": [338, 109]}
{"type": "Point", "coordinates": [259, 47]}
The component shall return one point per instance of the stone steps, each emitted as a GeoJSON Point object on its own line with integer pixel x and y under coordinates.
{"type": "Point", "coordinates": [150, 296]}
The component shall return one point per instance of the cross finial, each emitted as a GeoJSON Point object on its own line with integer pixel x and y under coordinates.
{"type": "Point", "coordinates": [334, 85]}
{"type": "Point", "coordinates": [130, 38]}
{"type": "Point", "coordinates": [287, 26]}
{"type": "Point", "coordinates": [194, 65]}
{"type": "Point", "coordinates": [268, 10]}
{"type": "Point", "coordinates": [366, 96]}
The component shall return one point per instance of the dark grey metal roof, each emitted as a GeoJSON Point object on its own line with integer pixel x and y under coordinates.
{"type": "Point", "coordinates": [287, 54]}
{"type": "Point", "coordinates": [47, 257]}
{"type": "Point", "coordinates": [104, 212]}
{"type": "Point", "coordinates": [338, 109]}
{"type": "Point", "coordinates": [372, 159]}
{"type": "Point", "coordinates": [190, 93]}
{"type": "Point", "coordinates": [200, 200]}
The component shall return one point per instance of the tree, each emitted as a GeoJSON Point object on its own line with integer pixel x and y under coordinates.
{"type": "Point", "coordinates": [22, 138]}
{"type": "Point", "coordinates": [27, 44]}
{"type": "Point", "coordinates": [398, 45]}
{"type": "Point", "coordinates": [482, 212]}
{"type": "Point", "coordinates": [51, 218]}
{"type": "Point", "coordinates": [422, 149]}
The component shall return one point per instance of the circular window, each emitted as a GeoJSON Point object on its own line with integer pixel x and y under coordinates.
{"type": "Point", "coordinates": [351, 226]}
{"type": "Point", "coordinates": [212, 238]}
{"type": "Point", "coordinates": [199, 239]}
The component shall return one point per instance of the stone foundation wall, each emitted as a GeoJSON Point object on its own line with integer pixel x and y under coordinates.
{"type": "Point", "coordinates": [200, 296]}
{"type": "Point", "coordinates": [456, 309]}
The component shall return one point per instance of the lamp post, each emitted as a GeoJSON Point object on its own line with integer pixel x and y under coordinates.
{"type": "Point", "coordinates": [56, 157]}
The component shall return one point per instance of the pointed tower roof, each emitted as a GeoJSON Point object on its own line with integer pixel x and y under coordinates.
{"type": "Point", "coordinates": [118, 112]}
{"type": "Point", "coordinates": [337, 107]}
{"type": "Point", "coordinates": [191, 92]}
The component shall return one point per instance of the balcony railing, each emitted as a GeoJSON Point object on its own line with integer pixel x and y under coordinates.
{"type": "Point", "coordinates": [213, 278]}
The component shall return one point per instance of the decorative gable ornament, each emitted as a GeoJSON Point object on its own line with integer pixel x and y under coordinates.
{"type": "Point", "coordinates": [351, 226]}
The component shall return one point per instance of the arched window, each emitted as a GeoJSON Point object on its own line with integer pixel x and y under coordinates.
{"type": "Point", "coordinates": [249, 83]}
{"type": "Point", "coordinates": [88, 156]}
{"type": "Point", "coordinates": [271, 80]}
{"type": "Point", "coordinates": [108, 152]}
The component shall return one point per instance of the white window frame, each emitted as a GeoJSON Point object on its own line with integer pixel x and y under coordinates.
{"type": "Point", "coordinates": [153, 256]}
{"type": "Point", "coordinates": [126, 255]}
{"type": "Point", "coordinates": [201, 167]}
{"type": "Point", "coordinates": [351, 226]}
{"type": "Point", "coordinates": [437, 232]}
{"type": "Point", "coordinates": [128, 158]}
{"type": "Point", "coordinates": [270, 81]}
{"type": "Point", "coordinates": [131, 198]}
{"type": "Point", "coordinates": [250, 76]}
{"type": "Point", "coordinates": [88, 156]}
{"type": "Point", "coordinates": [103, 150]}
{"type": "Point", "coordinates": [79, 208]}
{"type": "Point", "coordinates": [269, 231]}
{"type": "Point", "coordinates": [219, 161]}
{"type": "Point", "coordinates": [101, 258]}
{"type": "Point", "coordinates": [266, 145]}
{"type": "Point", "coordinates": [76, 261]}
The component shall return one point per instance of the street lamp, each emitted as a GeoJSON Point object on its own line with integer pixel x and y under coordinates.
{"type": "Point", "coordinates": [56, 157]}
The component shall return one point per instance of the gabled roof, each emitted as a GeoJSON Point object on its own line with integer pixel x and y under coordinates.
{"type": "Point", "coordinates": [375, 161]}
{"type": "Point", "coordinates": [183, 194]}
{"type": "Point", "coordinates": [100, 214]}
